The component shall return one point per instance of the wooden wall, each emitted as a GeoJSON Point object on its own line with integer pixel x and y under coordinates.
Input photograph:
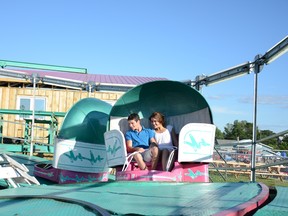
{"type": "Point", "coordinates": [57, 100]}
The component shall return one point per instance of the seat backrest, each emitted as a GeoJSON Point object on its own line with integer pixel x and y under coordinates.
{"type": "Point", "coordinates": [196, 142]}
{"type": "Point", "coordinates": [178, 121]}
{"type": "Point", "coordinates": [115, 147]}
{"type": "Point", "coordinates": [121, 123]}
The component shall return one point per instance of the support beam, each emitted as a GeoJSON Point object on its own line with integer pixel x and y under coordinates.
{"type": "Point", "coordinates": [276, 51]}
{"type": "Point", "coordinates": [224, 75]}
{"type": "Point", "coordinates": [14, 74]}
{"type": "Point", "coordinates": [29, 112]}
{"type": "Point", "coordinates": [5, 63]}
{"type": "Point", "coordinates": [67, 83]}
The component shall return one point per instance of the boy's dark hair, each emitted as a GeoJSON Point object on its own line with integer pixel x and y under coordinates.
{"type": "Point", "coordinates": [133, 116]}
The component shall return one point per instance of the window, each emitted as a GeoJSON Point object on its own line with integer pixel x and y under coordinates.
{"type": "Point", "coordinates": [27, 103]}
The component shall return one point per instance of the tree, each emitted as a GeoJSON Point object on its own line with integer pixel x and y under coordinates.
{"type": "Point", "coordinates": [244, 130]}
{"type": "Point", "coordinates": [285, 142]}
{"type": "Point", "coordinates": [239, 130]}
{"type": "Point", "coordinates": [281, 142]}
{"type": "Point", "coordinates": [271, 142]}
{"type": "Point", "coordinates": [219, 134]}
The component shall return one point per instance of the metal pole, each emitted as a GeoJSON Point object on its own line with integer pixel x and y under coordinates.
{"type": "Point", "coordinates": [33, 116]}
{"type": "Point", "coordinates": [254, 138]}
{"type": "Point", "coordinates": [90, 90]}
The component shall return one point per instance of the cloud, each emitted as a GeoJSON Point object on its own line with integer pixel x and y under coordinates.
{"type": "Point", "coordinates": [267, 100]}
{"type": "Point", "coordinates": [215, 97]}
{"type": "Point", "coordinates": [226, 110]}
{"type": "Point", "coordinates": [262, 99]}
{"type": "Point", "coordinates": [221, 97]}
{"type": "Point", "coordinates": [246, 100]}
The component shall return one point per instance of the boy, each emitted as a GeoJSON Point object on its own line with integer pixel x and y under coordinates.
{"type": "Point", "coordinates": [142, 140]}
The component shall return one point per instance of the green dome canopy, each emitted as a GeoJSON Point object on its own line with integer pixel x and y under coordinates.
{"type": "Point", "coordinates": [86, 121]}
{"type": "Point", "coordinates": [171, 98]}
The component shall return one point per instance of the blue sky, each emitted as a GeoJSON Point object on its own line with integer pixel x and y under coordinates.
{"type": "Point", "coordinates": [177, 40]}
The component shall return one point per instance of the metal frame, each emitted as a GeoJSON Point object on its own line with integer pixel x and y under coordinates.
{"type": "Point", "coordinates": [5, 63]}
{"type": "Point", "coordinates": [257, 65]}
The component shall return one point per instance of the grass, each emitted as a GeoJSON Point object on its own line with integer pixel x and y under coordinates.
{"type": "Point", "coordinates": [215, 177]}
{"type": "Point", "coordinates": [270, 182]}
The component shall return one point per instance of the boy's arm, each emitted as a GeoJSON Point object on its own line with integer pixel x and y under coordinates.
{"type": "Point", "coordinates": [131, 149]}
{"type": "Point", "coordinates": [129, 146]}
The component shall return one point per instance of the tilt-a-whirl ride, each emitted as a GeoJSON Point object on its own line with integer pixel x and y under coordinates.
{"type": "Point", "coordinates": [82, 153]}
{"type": "Point", "coordinates": [90, 143]}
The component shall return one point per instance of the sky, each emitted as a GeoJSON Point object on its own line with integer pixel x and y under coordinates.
{"type": "Point", "coordinates": [177, 40]}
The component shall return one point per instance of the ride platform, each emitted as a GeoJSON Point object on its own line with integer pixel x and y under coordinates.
{"type": "Point", "coordinates": [129, 197]}
{"type": "Point", "coordinates": [278, 206]}
{"type": "Point", "coordinates": [134, 198]}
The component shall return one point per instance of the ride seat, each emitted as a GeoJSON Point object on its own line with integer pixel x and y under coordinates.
{"type": "Point", "coordinates": [196, 142]}
{"type": "Point", "coordinates": [116, 149]}
{"type": "Point", "coordinates": [15, 173]}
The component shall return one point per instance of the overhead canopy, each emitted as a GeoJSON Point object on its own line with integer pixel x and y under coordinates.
{"type": "Point", "coordinates": [174, 99]}
{"type": "Point", "coordinates": [86, 121]}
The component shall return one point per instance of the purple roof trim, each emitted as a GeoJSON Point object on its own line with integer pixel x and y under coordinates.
{"type": "Point", "coordinates": [97, 78]}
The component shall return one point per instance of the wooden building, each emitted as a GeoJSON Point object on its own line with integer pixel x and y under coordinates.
{"type": "Point", "coordinates": [47, 99]}
{"type": "Point", "coordinates": [19, 93]}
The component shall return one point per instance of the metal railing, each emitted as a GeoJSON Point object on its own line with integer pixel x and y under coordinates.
{"type": "Point", "coordinates": [263, 163]}
{"type": "Point", "coordinates": [39, 143]}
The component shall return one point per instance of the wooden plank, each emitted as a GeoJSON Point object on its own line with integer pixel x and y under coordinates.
{"type": "Point", "coordinates": [55, 99]}
{"type": "Point", "coordinates": [12, 105]}
{"type": "Point", "coordinates": [20, 91]}
{"type": "Point", "coordinates": [84, 94]}
{"type": "Point", "coordinates": [5, 104]}
{"type": "Point", "coordinates": [69, 99]}
{"type": "Point", "coordinates": [76, 98]}
{"type": "Point", "coordinates": [62, 104]}
{"type": "Point", "coordinates": [1, 96]}
{"type": "Point", "coordinates": [41, 92]}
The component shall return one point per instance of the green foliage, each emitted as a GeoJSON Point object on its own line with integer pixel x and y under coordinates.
{"type": "Point", "coordinates": [285, 142]}
{"type": "Point", "coordinates": [240, 130]}
{"type": "Point", "coordinates": [271, 142]}
{"type": "Point", "coordinates": [282, 142]}
{"type": "Point", "coordinates": [219, 134]}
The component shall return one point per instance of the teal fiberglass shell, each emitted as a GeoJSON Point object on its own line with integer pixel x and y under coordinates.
{"type": "Point", "coordinates": [86, 121]}
{"type": "Point", "coordinates": [172, 98]}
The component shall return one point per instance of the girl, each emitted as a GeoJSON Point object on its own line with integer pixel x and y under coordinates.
{"type": "Point", "coordinates": [165, 137]}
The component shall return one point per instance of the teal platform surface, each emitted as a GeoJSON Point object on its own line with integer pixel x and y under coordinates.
{"type": "Point", "coordinates": [129, 198]}
{"type": "Point", "coordinates": [140, 198]}
{"type": "Point", "coordinates": [278, 206]}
